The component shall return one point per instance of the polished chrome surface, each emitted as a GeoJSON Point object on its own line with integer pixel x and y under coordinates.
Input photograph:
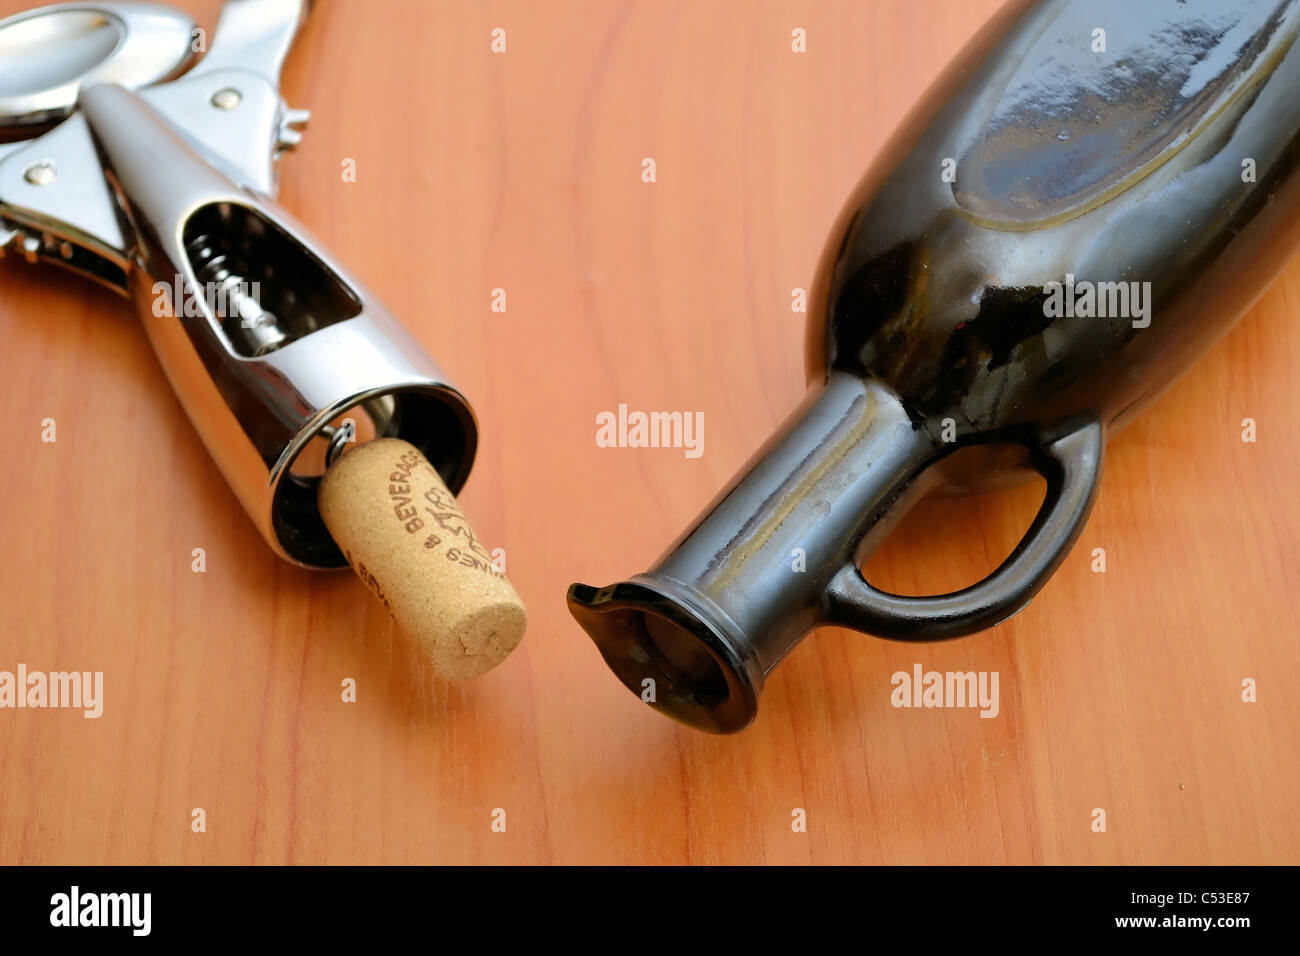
{"type": "Point", "coordinates": [77, 208]}
{"type": "Point", "coordinates": [46, 56]}
{"type": "Point", "coordinates": [164, 194]}
{"type": "Point", "coordinates": [50, 52]}
{"type": "Point", "coordinates": [76, 214]}
{"type": "Point", "coordinates": [230, 104]}
{"type": "Point", "coordinates": [338, 347]}
{"type": "Point", "coordinates": [244, 140]}
{"type": "Point", "coordinates": [255, 36]}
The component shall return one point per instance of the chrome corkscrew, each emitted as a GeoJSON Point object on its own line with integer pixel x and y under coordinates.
{"type": "Point", "coordinates": [139, 163]}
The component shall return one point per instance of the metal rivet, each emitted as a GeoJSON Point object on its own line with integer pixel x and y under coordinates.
{"type": "Point", "coordinates": [40, 174]}
{"type": "Point", "coordinates": [226, 99]}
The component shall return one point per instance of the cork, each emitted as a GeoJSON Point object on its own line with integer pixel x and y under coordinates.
{"type": "Point", "coordinates": [405, 536]}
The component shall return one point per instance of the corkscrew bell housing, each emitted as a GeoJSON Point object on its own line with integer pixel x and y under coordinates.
{"type": "Point", "coordinates": [147, 183]}
{"type": "Point", "coordinates": [1170, 162]}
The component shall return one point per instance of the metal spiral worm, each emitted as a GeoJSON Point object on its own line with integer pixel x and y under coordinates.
{"type": "Point", "coordinates": [243, 317]}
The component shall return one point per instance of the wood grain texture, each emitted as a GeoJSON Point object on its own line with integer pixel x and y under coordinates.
{"type": "Point", "coordinates": [522, 171]}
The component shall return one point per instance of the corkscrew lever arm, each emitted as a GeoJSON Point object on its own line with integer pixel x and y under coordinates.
{"type": "Point", "coordinates": [255, 35]}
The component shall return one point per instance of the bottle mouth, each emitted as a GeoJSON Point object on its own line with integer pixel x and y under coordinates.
{"type": "Point", "coordinates": [669, 654]}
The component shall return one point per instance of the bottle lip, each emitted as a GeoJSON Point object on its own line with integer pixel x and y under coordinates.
{"type": "Point", "coordinates": [673, 650]}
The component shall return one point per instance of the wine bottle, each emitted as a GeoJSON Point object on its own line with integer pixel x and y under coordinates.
{"type": "Point", "coordinates": [1088, 198]}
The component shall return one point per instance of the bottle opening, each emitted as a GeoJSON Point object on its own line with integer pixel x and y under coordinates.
{"type": "Point", "coordinates": [682, 659]}
{"type": "Point", "coordinates": [668, 655]}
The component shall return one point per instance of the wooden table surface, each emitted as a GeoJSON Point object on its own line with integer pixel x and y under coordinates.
{"type": "Point", "coordinates": [522, 171]}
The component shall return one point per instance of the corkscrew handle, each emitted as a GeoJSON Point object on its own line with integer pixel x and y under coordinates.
{"type": "Point", "coordinates": [1071, 464]}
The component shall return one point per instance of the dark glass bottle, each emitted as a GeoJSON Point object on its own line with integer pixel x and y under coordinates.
{"type": "Point", "coordinates": [1062, 226]}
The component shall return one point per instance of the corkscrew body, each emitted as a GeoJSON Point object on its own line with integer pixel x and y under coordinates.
{"type": "Point", "coordinates": [163, 190]}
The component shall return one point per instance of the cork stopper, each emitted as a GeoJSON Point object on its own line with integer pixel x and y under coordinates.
{"type": "Point", "coordinates": [405, 536]}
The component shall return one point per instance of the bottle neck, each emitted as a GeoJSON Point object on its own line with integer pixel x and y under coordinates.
{"type": "Point", "coordinates": [758, 560]}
